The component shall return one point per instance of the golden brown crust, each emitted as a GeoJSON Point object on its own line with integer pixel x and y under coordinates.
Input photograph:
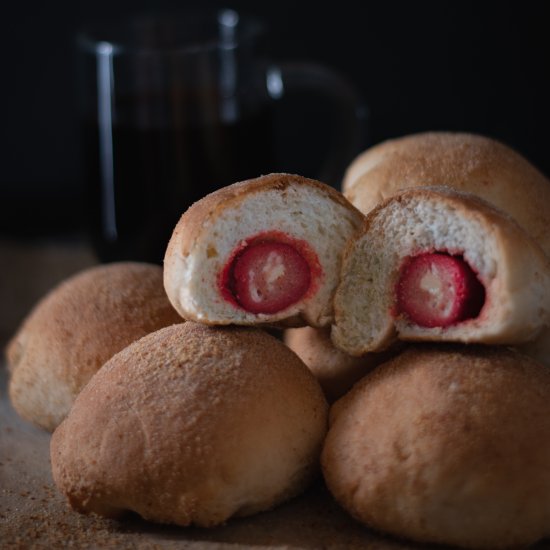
{"type": "Point", "coordinates": [189, 227]}
{"type": "Point", "coordinates": [466, 162]}
{"type": "Point", "coordinates": [446, 444]}
{"type": "Point", "coordinates": [192, 425]}
{"type": "Point", "coordinates": [75, 328]}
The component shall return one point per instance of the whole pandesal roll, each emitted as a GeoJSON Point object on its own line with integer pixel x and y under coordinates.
{"type": "Point", "coordinates": [335, 370]}
{"type": "Point", "coordinates": [262, 251]}
{"type": "Point", "coordinates": [192, 425]}
{"type": "Point", "coordinates": [466, 162]}
{"type": "Point", "coordinates": [435, 264]}
{"type": "Point", "coordinates": [446, 445]}
{"type": "Point", "coordinates": [75, 328]}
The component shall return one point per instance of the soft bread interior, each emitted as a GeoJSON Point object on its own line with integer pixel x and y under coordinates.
{"type": "Point", "coordinates": [303, 212]}
{"type": "Point", "coordinates": [513, 271]}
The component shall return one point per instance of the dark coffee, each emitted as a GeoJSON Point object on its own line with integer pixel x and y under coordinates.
{"type": "Point", "coordinates": [179, 105]}
{"type": "Point", "coordinates": [142, 178]}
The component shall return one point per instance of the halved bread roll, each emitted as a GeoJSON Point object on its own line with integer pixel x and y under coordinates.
{"type": "Point", "coordinates": [266, 250]}
{"type": "Point", "coordinates": [446, 444]}
{"type": "Point", "coordinates": [465, 162]}
{"type": "Point", "coordinates": [75, 328]}
{"type": "Point", "coordinates": [435, 264]}
{"type": "Point", "coordinates": [192, 425]}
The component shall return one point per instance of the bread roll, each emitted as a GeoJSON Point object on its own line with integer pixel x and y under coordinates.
{"type": "Point", "coordinates": [75, 328]}
{"type": "Point", "coordinates": [465, 162]}
{"type": "Point", "coordinates": [435, 264]}
{"type": "Point", "coordinates": [192, 425]}
{"type": "Point", "coordinates": [335, 370]}
{"type": "Point", "coordinates": [446, 445]}
{"type": "Point", "coordinates": [263, 251]}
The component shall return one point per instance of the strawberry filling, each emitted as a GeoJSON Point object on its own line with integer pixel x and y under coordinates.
{"type": "Point", "coordinates": [269, 273]}
{"type": "Point", "coordinates": [438, 290]}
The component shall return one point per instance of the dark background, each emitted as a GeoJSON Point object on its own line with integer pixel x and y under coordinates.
{"type": "Point", "coordinates": [479, 67]}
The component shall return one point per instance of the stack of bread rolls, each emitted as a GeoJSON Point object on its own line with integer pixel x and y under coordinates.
{"type": "Point", "coordinates": [424, 445]}
{"type": "Point", "coordinates": [471, 164]}
{"type": "Point", "coordinates": [190, 423]}
{"type": "Point", "coordinates": [446, 443]}
{"type": "Point", "coordinates": [401, 299]}
{"type": "Point", "coordinates": [179, 422]}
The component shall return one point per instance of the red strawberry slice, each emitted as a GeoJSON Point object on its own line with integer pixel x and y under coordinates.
{"type": "Point", "coordinates": [268, 276]}
{"type": "Point", "coordinates": [438, 290]}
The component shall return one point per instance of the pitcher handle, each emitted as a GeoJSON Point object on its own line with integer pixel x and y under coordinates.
{"type": "Point", "coordinates": [349, 125]}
